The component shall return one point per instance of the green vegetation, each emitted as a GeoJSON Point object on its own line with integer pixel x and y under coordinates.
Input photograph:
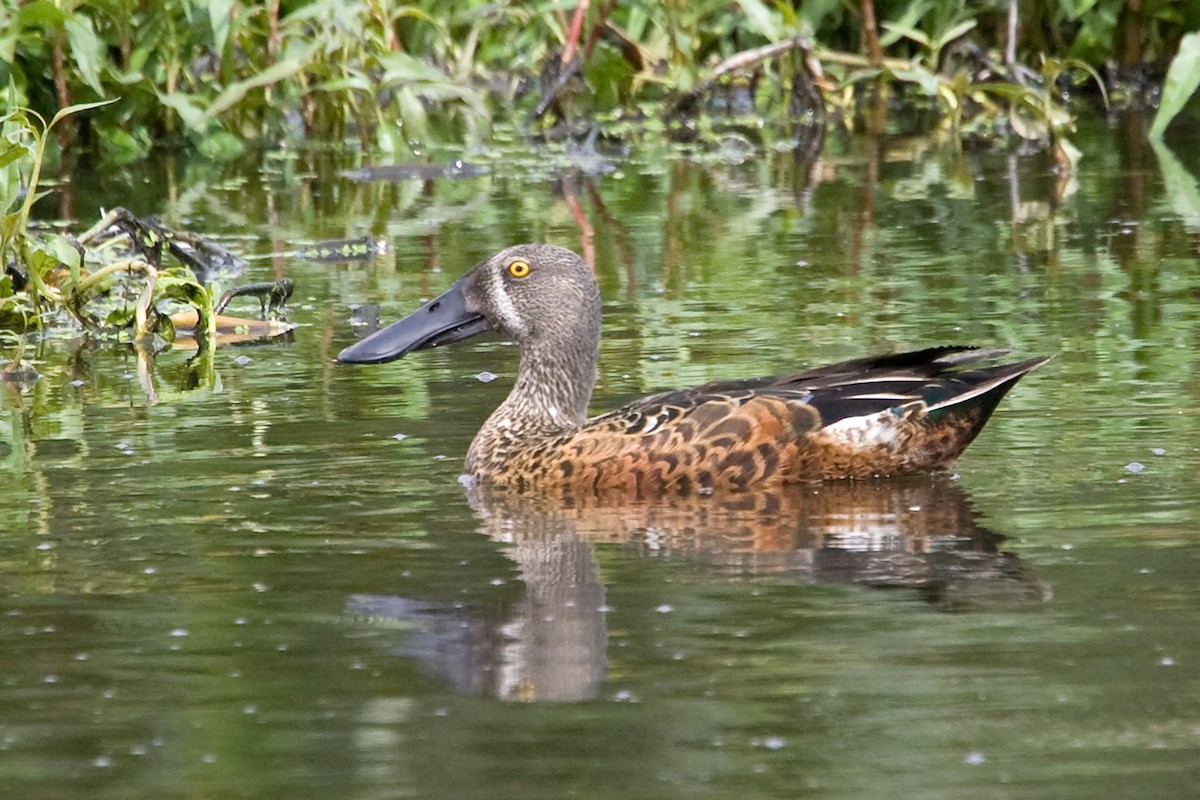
{"type": "Point", "coordinates": [401, 78]}
{"type": "Point", "coordinates": [46, 273]}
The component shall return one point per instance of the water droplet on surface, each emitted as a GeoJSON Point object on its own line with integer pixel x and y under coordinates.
{"type": "Point", "coordinates": [665, 608]}
{"type": "Point", "coordinates": [974, 758]}
{"type": "Point", "coordinates": [1135, 467]}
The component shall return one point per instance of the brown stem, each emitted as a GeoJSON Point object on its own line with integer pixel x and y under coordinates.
{"type": "Point", "coordinates": [272, 31]}
{"type": "Point", "coordinates": [598, 29]}
{"type": "Point", "coordinates": [572, 44]}
{"type": "Point", "coordinates": [62, 93]}
{"type": "Point", "coordinates": [871, 32]}
{"type": "Point", "coordinates": [1131, 23]}
{"type": "Point", "coordinates": [587, 236]}
{"type": "Point", "coordinates": [1010, 45]}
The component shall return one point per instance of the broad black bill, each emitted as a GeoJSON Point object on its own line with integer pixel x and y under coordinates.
{"type": "Point", "coordinates": [442, 320]}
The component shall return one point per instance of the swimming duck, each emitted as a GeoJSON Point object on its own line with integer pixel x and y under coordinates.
{"type": "Point", "coordinates": [878, 416]}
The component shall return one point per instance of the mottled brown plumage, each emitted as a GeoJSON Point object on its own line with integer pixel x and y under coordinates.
{"type": "Point", "coordinates": [888, 415]}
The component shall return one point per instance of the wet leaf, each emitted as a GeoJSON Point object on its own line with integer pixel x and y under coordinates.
{"type": "Point", "coordinates": [1183, 78]}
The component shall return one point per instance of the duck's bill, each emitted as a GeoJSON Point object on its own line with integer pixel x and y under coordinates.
{"type": "Point", "coordinates": [443, 320]}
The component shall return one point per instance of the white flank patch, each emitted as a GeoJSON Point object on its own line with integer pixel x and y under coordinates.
{"type": "Point", "coordinates": [877, 429]}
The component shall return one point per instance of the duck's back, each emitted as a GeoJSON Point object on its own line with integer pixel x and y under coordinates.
{"type": "Point", "coordinates": [869, 417]}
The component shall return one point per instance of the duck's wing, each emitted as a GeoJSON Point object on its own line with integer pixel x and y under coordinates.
{"type": "Point", "coordinates": [902, 413]}
{"type": "Point", "coordinates": [934, 377]}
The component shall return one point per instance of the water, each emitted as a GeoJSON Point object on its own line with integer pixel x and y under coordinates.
{"type": "Point", "coordinates": [254, 587]}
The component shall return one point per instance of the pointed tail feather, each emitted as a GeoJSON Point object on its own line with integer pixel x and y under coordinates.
{"type": "Point", "coordinates": [988, 389]}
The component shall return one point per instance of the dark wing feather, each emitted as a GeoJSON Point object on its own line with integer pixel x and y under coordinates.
{"type": "Point", "coordinates": [866, 386]}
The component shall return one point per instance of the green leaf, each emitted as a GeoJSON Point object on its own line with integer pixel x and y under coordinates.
{"type": "Point", "coordinates": [10, 175]}
{"type": "Point", "coordinates": [40, 13]}
{"type": "Point", "coordinates": [62, 251]}
{"type": "Point", "coordinates": [1179, 185]}
{"type": "Point", "coordinates": [87, 50]}
{"type": "Point", "coordinates": [761, 20]}
{"type": "Point", "coordinates": [234, 92]}
{"type": "Point", "coordinates": [921, 77]}
{"type": "Point", "coordinates": [10, 153]}
{"type": "Point", "coordinates": [1183, 77]}
{"type": "Point", "coordinates": [907, 22]}
{"type": "Point", "coordinates": [221, 146]}
{"type": "Point", "coordinates": [220, 12]}
{"type": "Point", "coordinates": [121, 147]}
{"type": "Point", "coordinates": [412, 114]}
{"type": "Point", "coordinates": [187, 109]}
{"type": "Point", "coordinates": [75, 109]}
{"type": "Point", "coordinates": [358, 83]}
{"type": "Point", "coordinates": [958, 30]}
{"type": "Point", "coordinates": [899, 31]}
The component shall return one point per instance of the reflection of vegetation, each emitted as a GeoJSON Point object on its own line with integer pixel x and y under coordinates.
{"type": "Point", "coordinates": [397, 75]}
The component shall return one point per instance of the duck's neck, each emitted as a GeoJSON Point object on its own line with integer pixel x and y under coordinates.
{"type": "Point", "coordinates": [550, 397]}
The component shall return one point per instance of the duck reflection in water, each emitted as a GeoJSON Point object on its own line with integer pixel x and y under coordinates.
{"type": "Point", "coordinates": [918, 533]}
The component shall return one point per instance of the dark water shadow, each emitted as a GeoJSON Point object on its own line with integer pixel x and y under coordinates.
{"type": "Point", "coordinates": [918, 534]}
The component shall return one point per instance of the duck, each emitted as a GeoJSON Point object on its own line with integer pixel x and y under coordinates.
{"type": "Point", "coordinates": [872, 417]}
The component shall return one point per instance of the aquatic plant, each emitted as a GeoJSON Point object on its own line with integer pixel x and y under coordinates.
{"type": "Point", "coordinates": [44, 272]}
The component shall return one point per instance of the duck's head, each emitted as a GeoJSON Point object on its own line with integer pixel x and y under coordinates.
{"type": "Point", "coordinates": [531, 293]}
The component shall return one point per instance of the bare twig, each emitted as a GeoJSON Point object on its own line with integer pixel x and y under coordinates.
{"type": "Point", "coordinates": [1010, 45]}
{"type": "Point", "coordinates": [555, 89]}
{"type": "Point", "coordinates": [736, 63]}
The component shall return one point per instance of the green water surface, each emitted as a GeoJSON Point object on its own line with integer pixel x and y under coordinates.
{"type": "Point", "coordinates": [258, 577]}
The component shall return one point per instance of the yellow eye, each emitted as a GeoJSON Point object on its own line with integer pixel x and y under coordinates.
{"type": "Point", "coordinates": [518, 268]}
